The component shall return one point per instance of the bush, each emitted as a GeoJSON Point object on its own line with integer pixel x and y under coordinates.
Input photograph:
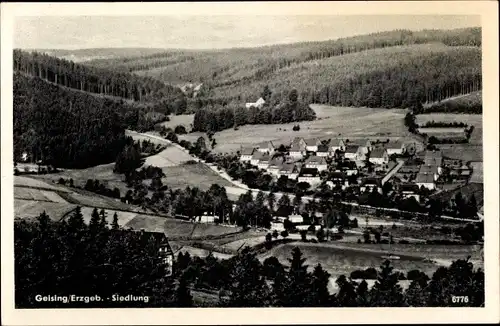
{"type": "Point", "coordinates": [284, 233]}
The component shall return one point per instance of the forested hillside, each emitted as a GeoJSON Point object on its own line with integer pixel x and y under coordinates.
{"type": "Point", "coordinates": [389, 69]}
{"type": "Point", "coordinates": [67, 128]}
{"type": "Point", "coordinates": [94, 80]}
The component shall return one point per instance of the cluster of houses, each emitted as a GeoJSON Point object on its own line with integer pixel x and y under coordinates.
{"type": "Point", "coordinates": [307, 158]}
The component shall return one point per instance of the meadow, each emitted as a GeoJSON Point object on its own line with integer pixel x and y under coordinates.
{"type": "Point", "coordinates": [332, 122]}
{"type": "Point", "coordinates": [193, 175]}
{"type": "Point", "coordinates": [185, 120]}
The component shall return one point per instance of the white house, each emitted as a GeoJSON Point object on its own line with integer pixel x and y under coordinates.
{"type": "Point", "coordinates": [309, 175]}
{"type": "Point", "coordinates": [425, 180]}
{"type": "Point", "coordinates": [257, 157]}
{"type": "Point", "coordinates": [312, 145]}
{"type": "Point", "coordinates": [263, 163]}
{"type": "Point", "coordinates": [260, 102]}
{"type": "Point", "coordinates": [408, 190]}
{"type": "Point", "coordinates": [351, 152]}
{"type": "Point", "coordinates": [275, 165]}
{"type": "Point", "coordinates": [379, 156]}
{"type": "Point", "coordinates": [395, 147]}
{"type": "Point", "coordinates": [323, 150]}
{"type": "Point", "coordinates": [246, 154]}
{"type": "Point", "coordinates": [289, 170]}
{"type": "Point", "coordinates": [316, 162]}
{"type": "Point", "coordinates": [278, 226]}
{"type": "Point", "coordinates": [429, 169]}
{"type": "Point", "coordinates": [296, 219]}
{"type": "Point", "coordinates": [337, 144]}
{"type": "Point", "coordinates": [297, 151]}
{"type": "Point", "coordinates": [206, 219]}
{"type": "Point", "coordinates": [266, 147]}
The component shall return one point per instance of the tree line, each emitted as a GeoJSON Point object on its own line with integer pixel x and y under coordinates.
{"type": "Point", "coordinates": [71, 257]}
{"type": "Point", "coordinates": [90, 79]}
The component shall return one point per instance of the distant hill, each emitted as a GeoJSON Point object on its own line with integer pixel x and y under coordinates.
{"type": "Point", "coordinates": [389, 69]}
{"type": "Point", "coordinates": [83, 55]}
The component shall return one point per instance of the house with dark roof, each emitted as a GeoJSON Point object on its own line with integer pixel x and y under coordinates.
{"type": "Point", "coordinates": [348, 167]}
{"type": "Point", "coordinates": [369, 184]}
{"type": "Point", "coordinates": [394, 147]}
{"type": "Point", "coordinates": [425, 180]}
{"type": "Point", "coordinates": [258, 157]}
{"type": "Point", "coordinates": [309, 175]}
{"type": "Point", "coordinates": [408, 190]}
{"type": "Point", "coordinates": [246, 154]}
{"type": "Point", "coordinates": [290, 170]}
{"type": "Point", "coordinates": [266, 147]}
{"type": "Point", "coordinates": [317, 162]}
{"type": "Point", "coordinates": [337, 144]}
{"type": "Point", "coordinates": [312, 145]}
{"type": "Point", "coordinates": [323, 150]}
{"type": "Point", "coordinates": [351, 152]}
{"type": "Point", "coordinates": [429, 169]}
{"type": "Point", "coordinates": [337, 179]}
{"type": "Point", "coordinates": [379, 156]}
{"type": "Point", "coordinates": [297, 150]}
{"type": "Point", "coordinates": [275, 165]}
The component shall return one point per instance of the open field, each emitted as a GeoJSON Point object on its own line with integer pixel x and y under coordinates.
{"type": "Point", "coordinates": [441, 131]}
{"type": "Point", "coordinates": [30, 182]}
{"type": "Point", "coordinates": [464, 152]}
{"type": "Point", "coordinates": [185, 120]}
{"type": "Point", "coordinates": [332, 122]}
{"type": "Point", "coordinates": [193, 175]}
{"type": "Point", "coordinates": [27, 209]}
{"type": "Point", "coordinates": [170, 156]}
{"type": "Point", "coordinates": [475, 120]}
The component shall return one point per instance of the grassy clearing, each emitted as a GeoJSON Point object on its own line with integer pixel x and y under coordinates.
{"type": "Point", "coordinates": [171, 156]}
{"type": "Point", "coordinates": [193, 175]}
{"type": "Point", "coordinates": [27, 209]}
{"type": "Point", "coordinates": [32, 182]}
{"type": "Point", "coordinates": [475, 120]}
{"type": "Point", "coordinates": [185, 120]}
{"type": "Point", "coordinates": [332, 122]}
{"type": "Point", "coordinates": [464, 152]}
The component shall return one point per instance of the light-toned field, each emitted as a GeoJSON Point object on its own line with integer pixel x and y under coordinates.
{"type": "Point", "coordinates": [185, 120]}
{"type": "Point", "coordinates": [171, 156]}
{"type": "Point", "coordinates": [31, 182]}
{"type": "Point", "coordinates": [441, 131]}
{"type": "Point", "coordinates": [475, 120]}
{"type": "Point", "coordinates": [464, 152]}
{"type": "Point", "coordinates": [351, 123]}
{"type": "Point", "coordinates": [193, 175]}
{"type": "Point", "coordinates": [27, 209]}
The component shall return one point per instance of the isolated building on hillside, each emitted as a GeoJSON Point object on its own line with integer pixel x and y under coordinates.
{"type": "Point", "coordinates": [316, 162]}
{"type": "Point", "coordinates": [290, 170]}
{"type": "Point", "coordinates": [266, 147]}
{"type": "Point", "coordinates": [312, 145]}
{"type": "Point", "coordinates": [425, 180]}
{"type": "Point", "coordinates": [246, 154]}
{"type": "Point", "coordinates": [379, 156]}
{"type": "Point", "coordinates": [260, 102]}
{"type": "Point", "coordinates": [309, 175]}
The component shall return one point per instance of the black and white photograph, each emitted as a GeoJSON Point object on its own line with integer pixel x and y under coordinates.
{"type": "Point", "coordinates": [249, 160]}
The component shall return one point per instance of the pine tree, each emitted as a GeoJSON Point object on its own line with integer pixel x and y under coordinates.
{"type": "Point", "coordinates": [103, 223]}
{"type": "Point", "coordinates": [417, 295]}
{"type": "Point", "coordinates": [319, 295]}
{"type": "Point", "coordinates": [387, 292]}
{"type": "Point", "coordinates": [75, 221]}
{"type": "Point", "coordinates": [114, 224]}
{"type": "Point", "coordinates": [346, 295]}
{"type": "Point", "coordinates": [362, 294]}
{"type": "Point", "coordinates": [94, 223]}
{"type": "Point", "coordinates": [183, 294]}
{"type": "Point", "coordinates": [298, 281]}
{"type": "Point", "coordinates": [271, 200]}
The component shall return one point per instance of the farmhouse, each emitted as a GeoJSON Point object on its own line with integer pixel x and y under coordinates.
{"type": "Point", "coordinates": [275, 165]}
{"type": "Point", "coordinates": [323, 150]}
{"type": "Point", "coordinates": [260, 102]}
{"type": "Point", "coordinates": [206, 218]}
{"type": "Point", "coordinates": [369, 184]}
{"type": "Point", "coordinates": [316, 162]}
{"type": "Point", "coordinates": [351, 152]}
{"type": "Point", "coordinates": [309, 175]}
{"type": "Point", "coordinates": [289, 170]}
{"type": "Point", "coordinates": [408, 190]}
{"type": "Point", "coordinates": [312, 145]}
{"type": "Point", "coordinates": [379, 156]}
{"type": "Point", "coordinates": [246, 154]}
{"type": "Point", "coordinates": [264, 162]}
{"type": "Point", "coordinates": [337, 144]}
{"type": "Point", "coordinates": [257, 157]}
{"type": "Point", "coordinates": [395, 147]}
{"type": "Point", "coordinates": [425, 180]}
{"type": "Point", "coordinates": [429, 169]}
{"type": "Point", "coordinates": [266, 147]}
{"type": "Point", "coordinates": [297, 151]}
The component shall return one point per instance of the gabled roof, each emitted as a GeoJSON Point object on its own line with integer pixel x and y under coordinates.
{"type": "Point", "coordinates": [312, 142]}
{"type": "Point", "coordinates": [316, 160]}
{"type": "Point", "coordinates": [266, 144]}
{"type": "Point", "coordinates": [394, 144]}
{"type": "Point", "coordinates": [408, 187]}
{"type": "Point", "coordinates": [433, 169]}
{"type": "Point", "coordinates": [337, 175]}
{"type": "Point", "coordinates": [295, 148]}
{"type": "Point", "coordinates": [377, 153]}
{"type": "Point", "coordinates": [424, 178]}
{"type": "Point", "coordinates": [371, 181]}
{"type": "Point", "coordinates": [276, 162]}
{"type": "Point", "coordinates": [432, 154]}
{"type": "Point", "coordinates": [305, 172]}
{"type": "Point", "coordinates": [288, 167]}
{"type": "Point", "coordinates": [260, 156]}
{"type": "Point", "coordinates": [323, 148]}
{"type": "Point", "coordinates": [247, 151]}
{"type": "Point", "coordinates": [351, 148]}
{"type": "Point", "coordinates": [348, 165]}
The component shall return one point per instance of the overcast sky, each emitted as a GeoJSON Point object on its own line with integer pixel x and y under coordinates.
{"type": "Point", "coordinates": [203, 32]}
